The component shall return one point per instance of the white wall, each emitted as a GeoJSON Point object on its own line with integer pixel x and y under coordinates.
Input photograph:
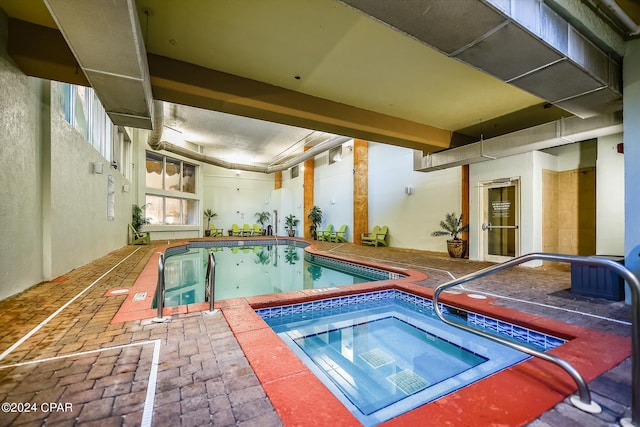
{"type": "Point", "coordinates": [333, 190]}
{"type": "Point", "coordinates": [21, 252]}
{"type": "Point", "coordinates": [631, 79]}
{"type": "Point", "coordinates": [522, 167]}
{"type": "Point", "coordinates": [235, 196]}
{"type": "Point", "coordinates": [54, 210]}
{"type": "Point", "coordinates": [295, 186]}
{"type": "Point", "coordinates": [610, 197]}
{"type": "Point", "coordinates": [411, 218]}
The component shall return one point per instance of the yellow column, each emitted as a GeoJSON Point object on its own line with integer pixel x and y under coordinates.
{"type": "Point", "coordinates": [308, 179]}
{"type": "Point", "coordinates": [465, 200]}
{"type": "Point", "coordinates": [278, 181]}
{"type": "Point", "coordinates": [360, 189]}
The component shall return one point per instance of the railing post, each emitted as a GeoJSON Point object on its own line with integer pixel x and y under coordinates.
{"type": "Point", "coordinates": [160, 289]}
{"type": "Point", "coordinates": [211, 280]}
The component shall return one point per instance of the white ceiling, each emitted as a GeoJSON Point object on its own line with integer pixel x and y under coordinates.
{"type": "Point", "coordinates": [321, 48]}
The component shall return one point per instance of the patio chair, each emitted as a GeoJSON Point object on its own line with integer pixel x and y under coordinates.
{"type": "Point", "coordinates": [215, 232]}
{"type": "Point", "coordinates": [235, 230]}
{"type": "Point", "coordinates": [257, 231]}
{"type": "Point", "coordinates": [139, 237]}
{"type": "Point", "coordinates": [377, 237]}
{"type": "Point", "coordinates": [340, 236]}
{"type": "Point", "coordinates": [246, 230]}
{"type": "Point", "coordinates": [326, 234]}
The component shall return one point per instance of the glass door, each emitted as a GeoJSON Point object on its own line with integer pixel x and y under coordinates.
{"type": "Point", "coordinates": [500, 227]}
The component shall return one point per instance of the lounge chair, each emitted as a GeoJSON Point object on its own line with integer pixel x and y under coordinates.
{"type": "Point", "coordinates": [139, 237]}
{"type": "Point", "coordinates": [235, 230]}
{"type": "Point", "coordinates": [340, 236]}
{"type": "Point", "coordinates": [257, 231]}
{"type": "Point", "coordinates": [215, 232]}
{"type": "Point", "coordinates": [326, 234]}
{"type": "Point", "coordinates": [377, 237]}
{"type": "Point", "coordinates": [246, 230]}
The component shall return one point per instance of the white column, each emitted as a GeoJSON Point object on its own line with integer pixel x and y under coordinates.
{"type": "Point", "coordinates": [631, 79]}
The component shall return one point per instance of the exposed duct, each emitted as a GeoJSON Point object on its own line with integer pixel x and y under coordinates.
{"type": "Point", "coordinates": [155, 142]}
{"type": "Point", "coordinates": [633, 29]}
{"type": "Point", "coordinates": [553, 134]}
{"type": "Point", "coordinates": [522, 42]}
{"type": "Point", "coordinates": [106, 40]}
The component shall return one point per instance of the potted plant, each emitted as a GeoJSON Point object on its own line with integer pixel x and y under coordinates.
{"type": "Point", "coordinates": [262, 218]}
{"type": "Point", "coordinates": [290, 223]}
{"type": "Point", "coordinates": [452, 226]}
{"type": "Point", "coordinates": [137, 216]}
{"type": "Point", "coordinates": [208, 213]}
{"type": "Point", "coordinates": [315, 216]}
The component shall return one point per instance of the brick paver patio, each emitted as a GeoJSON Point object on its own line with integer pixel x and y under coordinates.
{"type": "Point", "coordinates": [63, 363]}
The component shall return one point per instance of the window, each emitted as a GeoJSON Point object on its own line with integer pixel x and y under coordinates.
{"type": "Point", "coordinates": [335, 154]}
{"type": "Point", "coordinates": [164, 210]}
{"type": "Point", "coordinates": [83, 110]}
{"type": "Point", "coordinates": [166, 173]}
{"type": "Point", "coordinates": [171, 186]}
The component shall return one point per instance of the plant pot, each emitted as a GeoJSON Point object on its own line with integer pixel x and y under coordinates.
{"type": "Point", "coordinates": [457, 248]}
{"type": "Point", "coordinates": [292, 233]}
{"type": "Point", "coordinates": [207, 233]}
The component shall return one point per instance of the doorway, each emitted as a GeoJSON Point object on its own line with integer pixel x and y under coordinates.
{"type": "Point", "coordinates": [500, 230]}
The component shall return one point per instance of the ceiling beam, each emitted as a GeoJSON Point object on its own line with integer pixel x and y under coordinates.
{"type": "Point", "coordinates": [184, 83]}
{"type": "Point", "coordinates": [42, 52]}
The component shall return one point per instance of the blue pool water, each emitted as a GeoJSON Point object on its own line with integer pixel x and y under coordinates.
{"type": "Point", "coordinates": [248, 268]}
{"type": "Point", "coordinates": [384, 353]}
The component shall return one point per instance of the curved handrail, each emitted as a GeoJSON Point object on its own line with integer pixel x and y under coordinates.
{"type": "Point", "coordinates": [585, 401]}
{"type": "Point", "coordinates": [210, 279]}
{"type": "Point", "coordinates": [160, 286]}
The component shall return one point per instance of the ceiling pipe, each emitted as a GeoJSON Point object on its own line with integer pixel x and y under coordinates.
{"type": "Point", "coordinates": [548, 135]}
{"type": "Point", "coordinates": [632, 27]}
{"type": "Point", "coordinates": [155, 142]}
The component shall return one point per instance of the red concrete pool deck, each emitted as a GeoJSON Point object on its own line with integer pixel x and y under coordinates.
{"type": "Point", "coordinates": [540, 385]}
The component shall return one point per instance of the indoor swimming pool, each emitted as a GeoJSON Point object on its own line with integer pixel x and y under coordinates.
{"type": "Point", "coordinates": [384, 353]}
{"type": "Point", "coordinates": [249, 268]}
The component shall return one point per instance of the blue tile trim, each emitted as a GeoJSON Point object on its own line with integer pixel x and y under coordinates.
{"type": "Point", "coordinates": [231, 243]}
{"type": "Point", "coordinates": [343, 304]}
{"type": "Point", "coordinates": [336, 264]}
{"type": "Point", "coordinates": [352, 268]}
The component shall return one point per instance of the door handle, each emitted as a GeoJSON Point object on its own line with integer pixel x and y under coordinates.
{"type": "Point", "coordinates": [486, 227]}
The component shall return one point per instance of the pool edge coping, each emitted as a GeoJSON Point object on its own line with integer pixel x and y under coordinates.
{"type": "Point", "coordinates": [548, 384]}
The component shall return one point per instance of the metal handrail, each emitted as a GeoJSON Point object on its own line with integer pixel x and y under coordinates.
{"type": "Point", "coordinates": [210, 279]}
{"type": "Point", "coordinates": [584, 402]}
{"type": "Point", "coordinates": [160, 286]}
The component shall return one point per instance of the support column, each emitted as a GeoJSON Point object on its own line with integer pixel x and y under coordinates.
{"type": "Point", "coordinates": [360, 189]}
{"type": "Point", "coordinates": [45, 183]}
{"type": "Point", "coordinates": [278, 181]}
{"type": "Point", "coordinates": [465, 202]}
{"type": "Point", "coordinates": [631, 79]}
{"type": "Point", "coordinates": [308, 179]}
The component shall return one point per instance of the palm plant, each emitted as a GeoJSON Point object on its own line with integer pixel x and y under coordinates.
{"type": "Point", "coordinates": [315, 216]}
{"type": "Point", "coordinates": [262, 218]}
{"type": "Point", "coordinates": [137, 216]}
{"type": "Point", "coordinates": [208, 213]}
{"type": "Point", "coordinates": [290, 223]}
{"type": "Point", "coordinates": [451, 226]}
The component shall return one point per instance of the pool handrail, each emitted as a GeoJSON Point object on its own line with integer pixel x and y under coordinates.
{"type": "Point", "coordinates": [584, 402]}
{"type": "Point", "coordinates": [210, 279]}
{"type": "Point", "coordinates": [160, 287]}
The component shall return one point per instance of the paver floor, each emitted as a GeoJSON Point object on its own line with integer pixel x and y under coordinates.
{"type": "Point", "coordinates": [63, 363]}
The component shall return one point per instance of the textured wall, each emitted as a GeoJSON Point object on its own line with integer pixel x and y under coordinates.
{"type": "Point", "coordinates": [54, 210]}
{"type": "Point", "coordinates": [20, 210]}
